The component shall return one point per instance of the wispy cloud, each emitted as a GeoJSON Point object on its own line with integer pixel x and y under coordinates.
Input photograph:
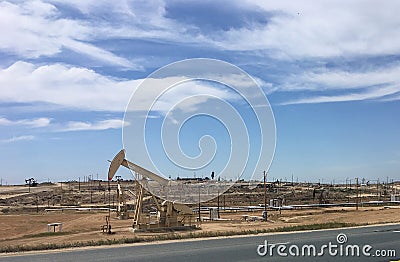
{"type": "Point", "coordinates": [283, 29]}
{"type": "Point", "coordinates": [333, 79]}
{"type": "Point", "coordinates": [60, 127]}
{"type": "Point", "coordinates": [17, 138]}
{"type": "Point", "coordinates": [67, 86]}
{"type": "Point", "coordinates": [379, 84]}
{"type": "Point", "coordinates": [99, 125]}
{"type": "Point", "coordinates": [37, 28]}
{"type": "Point", "coordinates": [391, 98]}
{"type": "Point", "coordinates": [36, 122]}
{"type": "Point", "coordinates": [84, 89]}
{"type": "Point", "coordinates": [100, 54]}
{"type": "Point", "coordinates": [372, 93]}
{"type": "Point", "coordinates": [306, 29]}
{"type": "Point", "coordinates": [300, 31]}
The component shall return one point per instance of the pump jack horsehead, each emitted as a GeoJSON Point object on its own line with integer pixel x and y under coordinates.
{"type": "Point", "coordinates": [169, 214]}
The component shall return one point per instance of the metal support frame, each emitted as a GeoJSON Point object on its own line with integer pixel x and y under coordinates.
{"type": "Point", "coordinates": [170, 214]}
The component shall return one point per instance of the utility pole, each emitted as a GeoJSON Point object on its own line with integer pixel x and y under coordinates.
{"type": "Point", "coordinates": [265, 196]}
{"type": "Point", "coordinates": [356, 193]}
{"type": "Point", "coordinates": [387, 186]}
{"type": "Point", "coordinates": [109, 200]}
{"type": "Point", "coordinates": [377, 189]}
{"type": "Point", "coordinates": [199, 206]}
{"type": "Point", "coordinates": [79, 184]}
{"type": "Point", "coordinates": [218, 202]}
{"type": "Point", "coordinates": [91, 189]}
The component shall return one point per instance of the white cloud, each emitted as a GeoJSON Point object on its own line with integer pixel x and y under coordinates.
{"type": "Point", "coordinates": [99, 54]}
{"type": "Point", "coordinates": [37, 122]}
{"type": "Point", "coordinates": [189, 94]}
{"type": "Point", "coordinates": [99, 125]}
{"type": "Point", "coordinates": [84, 89]}
{"type": "Point", "coordinates": [295, 30]}
{"type": "Point", "coordinates": [299, 30]}
{"type": "Point", "coordinates": [372, 93]}
{"type": "Point", "coordinates": [63, 85]}
{"type": "Point", "coordinates": [34, 28]}
{"type": "Point", "coordinates": [18, 138]}
{"type": "Point", "coordinates": [380, 84]}
{"type": "Point", "coordinates": [392, 98]}
{"type": "Point", "coordinates": [321, 29]}
{"type": "Point", "coordinates": [69, 126]}
{"type": "Point", "coordinates": [131, 20]}
{"type": "Point", "coordinates": [334, 79]}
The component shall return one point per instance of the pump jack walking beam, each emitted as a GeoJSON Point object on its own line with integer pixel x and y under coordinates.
{"type": "Point", "coordinates": [119, 160]}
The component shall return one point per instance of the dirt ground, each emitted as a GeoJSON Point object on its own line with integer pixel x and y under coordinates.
{"type": "Point", "coordinates": [24, 219]}
{"type": "Point", "coordinates": [28, 229]}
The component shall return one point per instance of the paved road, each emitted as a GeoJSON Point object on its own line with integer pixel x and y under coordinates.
{"type": "Point", "coordinates": [238, 248]}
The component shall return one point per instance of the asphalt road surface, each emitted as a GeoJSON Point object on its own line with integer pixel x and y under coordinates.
{"type": "Point", "coordinates": [384, 240]}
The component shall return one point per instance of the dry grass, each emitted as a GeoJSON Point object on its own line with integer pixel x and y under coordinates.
{"type": "Point", "coordinates": [169, 236]}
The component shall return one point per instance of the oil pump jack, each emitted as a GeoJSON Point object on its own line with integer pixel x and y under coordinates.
{"type": "Point", "coordinates": [169, 214]}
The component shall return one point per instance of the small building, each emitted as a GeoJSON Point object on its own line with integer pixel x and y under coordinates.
{"type": "Point", "coordinates": [394, 197]}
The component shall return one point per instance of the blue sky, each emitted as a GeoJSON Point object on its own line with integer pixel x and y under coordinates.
{"type": "Point", "coordinates": [330, 69]}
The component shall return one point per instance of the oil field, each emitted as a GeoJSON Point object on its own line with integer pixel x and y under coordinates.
{"type": "Point", "coordinates": [95, 212]}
